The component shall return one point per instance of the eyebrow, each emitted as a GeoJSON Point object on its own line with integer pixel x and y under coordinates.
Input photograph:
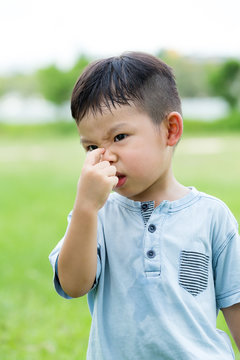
{"type": "Point", "coordinates": [111, 131]}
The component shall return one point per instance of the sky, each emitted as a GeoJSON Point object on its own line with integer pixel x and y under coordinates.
{"type": "Point", "coordinates": [34, 34]}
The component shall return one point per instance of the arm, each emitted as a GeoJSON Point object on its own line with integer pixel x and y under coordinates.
{"type": "Point", "coordinates": [232, 317]}
{"type": "Point", "coordinates": [77, 263]}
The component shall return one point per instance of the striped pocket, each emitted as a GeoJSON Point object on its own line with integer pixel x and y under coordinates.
{"type": "Point", "coordinates": [193, 271]}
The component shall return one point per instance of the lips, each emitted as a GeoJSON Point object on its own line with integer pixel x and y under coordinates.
{"type": "Point", "coordinates": [121, 179]}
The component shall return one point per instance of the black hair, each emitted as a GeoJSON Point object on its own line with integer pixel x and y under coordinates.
{"type": "Point", "coordinates": [132, 78]}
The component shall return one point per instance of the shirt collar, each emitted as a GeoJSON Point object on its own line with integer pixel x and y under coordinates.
{"type": "Point", "coordinates": [171, 206]}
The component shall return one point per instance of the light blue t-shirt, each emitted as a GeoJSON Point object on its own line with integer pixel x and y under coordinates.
{"type": "Point", "coordinates": [163, 274]}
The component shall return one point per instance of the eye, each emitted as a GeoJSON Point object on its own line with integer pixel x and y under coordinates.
{"type": "Point", "coordinates": [119, 137]}
{"type": "Point", "coordinates": [91, 147]}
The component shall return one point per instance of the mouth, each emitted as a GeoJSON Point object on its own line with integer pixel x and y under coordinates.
{"type": "Point", "coordinates": [121, 179]}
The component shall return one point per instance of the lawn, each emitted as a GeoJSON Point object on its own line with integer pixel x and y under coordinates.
{"type": "Point", "coordinates": [38, 182]}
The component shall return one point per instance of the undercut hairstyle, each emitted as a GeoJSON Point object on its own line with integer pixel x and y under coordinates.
{"type": "Point", "coordinates": [134, 78]}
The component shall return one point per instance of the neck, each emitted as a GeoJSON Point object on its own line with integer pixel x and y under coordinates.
{"type": "Point", "coordinates": [174, 191]}
{"type": "Point", "coordinates": [168, 189]}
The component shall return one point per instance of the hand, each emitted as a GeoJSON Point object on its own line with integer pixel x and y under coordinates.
{"type": "Point", "coordinates": [96, 181]}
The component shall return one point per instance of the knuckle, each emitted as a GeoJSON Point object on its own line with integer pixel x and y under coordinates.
{"type": "Point", "coordinates": [105, 163]}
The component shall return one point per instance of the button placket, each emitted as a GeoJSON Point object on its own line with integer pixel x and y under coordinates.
{"type": "Point", "coordinates": [152, 251]}
{"type": "Point", "coordinates": [152, 240]}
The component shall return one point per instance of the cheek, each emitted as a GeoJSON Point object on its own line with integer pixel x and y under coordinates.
{"type": "Point", "coordinates": [139, 162]}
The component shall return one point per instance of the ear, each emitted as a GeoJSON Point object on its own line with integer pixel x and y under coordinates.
{"type": "Point", "coordinates": [174, 124]}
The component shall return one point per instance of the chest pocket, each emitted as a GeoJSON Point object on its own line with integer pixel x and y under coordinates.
{"type": "Point", "coordinates": [193, 271]}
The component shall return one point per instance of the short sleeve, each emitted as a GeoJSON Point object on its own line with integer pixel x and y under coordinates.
{"type": "Point", "coordinates": [227, 272]}
{"type": "Point", "coordinates": [99, 267]}
{"type": "Point", "coordinates": [53, 258]}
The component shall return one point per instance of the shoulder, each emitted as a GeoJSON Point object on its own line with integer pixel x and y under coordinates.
{"type": "Point", "coordinates": [222, 223]}
{"type": "Point", "coordinates": [217, 208]}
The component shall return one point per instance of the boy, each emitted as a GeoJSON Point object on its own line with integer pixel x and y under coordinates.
{"type": "Point", "coordinates": [157, 259]}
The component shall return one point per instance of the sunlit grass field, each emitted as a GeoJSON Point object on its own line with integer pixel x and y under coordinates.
{"type": "Point", "coordinates": [38, 178]}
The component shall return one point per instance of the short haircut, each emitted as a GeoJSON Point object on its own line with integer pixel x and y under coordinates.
{"type": "Point", "coordinates": [134, 78]}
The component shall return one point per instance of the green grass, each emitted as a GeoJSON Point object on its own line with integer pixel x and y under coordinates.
{"type": "Point", "coordinates": [38, 183]}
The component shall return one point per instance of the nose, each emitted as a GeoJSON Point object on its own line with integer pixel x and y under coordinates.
{"type": "Point", "coordinates": [109, 155]}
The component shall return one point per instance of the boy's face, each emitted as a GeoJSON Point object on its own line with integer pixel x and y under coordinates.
{"type": "Point", "coordinates": [135, 146]}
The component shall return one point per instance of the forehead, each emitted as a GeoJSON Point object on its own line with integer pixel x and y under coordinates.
{"type": "Point", "coordinates": [108, 119]}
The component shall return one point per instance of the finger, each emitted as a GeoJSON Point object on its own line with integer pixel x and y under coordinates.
{"type": "Point", "coordinates": [114, 180]}
{"type": "Point", "coordinates": [109, 171]}
{"type": "Point", "coordinates": [94, 157]}
{"type": "Point", "coordinates": [102, 164]}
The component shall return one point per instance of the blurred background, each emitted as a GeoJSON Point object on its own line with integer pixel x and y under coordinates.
{"type": "Point", "coordinates": [44, 48]}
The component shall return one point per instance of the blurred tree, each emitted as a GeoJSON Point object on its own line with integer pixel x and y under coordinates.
{"type": "Point", "coordinates": [191, 73]}
{"type": "Point", "coordinates": [225, 82]}
{"type": "Point", "coordinates": [53, 84]}
{"type": "Point", "coordinates": [56, 85]}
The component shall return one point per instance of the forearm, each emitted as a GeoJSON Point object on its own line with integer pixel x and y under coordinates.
{"type": "Point", "coordinates": [77, 263]}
